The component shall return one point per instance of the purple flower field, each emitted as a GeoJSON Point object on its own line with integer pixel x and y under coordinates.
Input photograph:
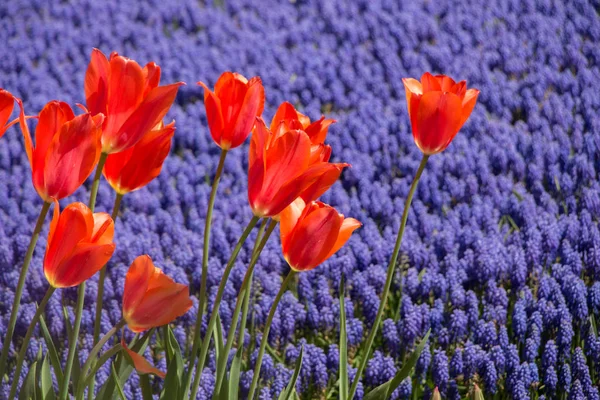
{"type": "Point", "coordinates": [501, 256]}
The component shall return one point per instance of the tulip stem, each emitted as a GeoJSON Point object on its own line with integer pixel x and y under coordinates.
{"type": "Point", "coordinates": [215, 312]}
{"type": "Point", "coordinates": [27, 339]}
{"type": "Point", "coordinates": [203, 279]}
{"type": "Point", "coordinates": [20, 285]}
{"type": "Point", "coordinates": [100, 296]}
{"type": "Point", "coordinates": [80, 291]}
{"type": "Point", "coordinates": [92, 356]}
{"type": "Point", "coordinates": [241, 298]}
{"type": "Point", "coordinates": [265, 336]}
{"type": "Point", "coordinates": [388, 282]}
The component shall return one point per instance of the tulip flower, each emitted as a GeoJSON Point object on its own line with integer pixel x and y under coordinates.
{"type": "Point", "coordinates": [7, 103]}
{"type": "Point", "coordinates": [280, 170]}
{"type": "Point", "coordinates": [438, 108]}
{"type": "Point", "coordinates": [287, 117]}
{"type": "Point", "coordinates": [67, 149]}
{"type": "Point", "coordinates": [313, 232]}
{"type": "Point", "coordinates": [151, 298]}
{"type": "Point", "coordinates": [232, 108]}
{"type": "Point", "coordinates": [79, 244]}
{"type": "Point", "coordinates": [141, 365]}
{"type": "Point", "coordinates": [129, 96]}
{"type": "Point", "coordinates": [135, 167]}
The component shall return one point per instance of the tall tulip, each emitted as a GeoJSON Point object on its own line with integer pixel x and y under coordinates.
{"type": "Point", "coordinates": [135, 167]}
{"type": "Point", "coordinates": [438, 108]}
{"type": "Point", "coordinates": [232, 108]}
{"type": "Point", "coordinates": [67, 148]}
{"type": "Point", "coordinates": [289, 118]}
{"type": "Point", "coordinates": [281, 168]}
{"type": "Point", "coordinates": [129, 96]}
{"type": "Point", "coordinates": [151, 298]}
{"type": "Point", "coordinates": [79, 244]}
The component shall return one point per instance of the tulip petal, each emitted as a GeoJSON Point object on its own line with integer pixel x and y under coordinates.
{"type": "Point", "coordinates": [348, 227]}
{"type": "Point", "coordinates": [149, 113]}
{"type": "Point", "coordinates": [151, 73]}
{"type": "Point", "coordinates": [82, 264]}
{"type": "Point", "coordinates": [323, 182]}
{"type": "Point", "coordinates": [136, 283]}
{"type": "Point", "coordinates": [468, 104]}
{"type": "Point", "coordinates": [72, 156]}
{"type": "Point", "coordinates": [104, 229]}
{"type": "Point", "coordinates": [438, 121]}
{"type": "Point", "coordinates": [141, 365]}
{"type": "Point", "coordinates": [7, 104]}
{"type": "Point", "coordinates": [251, 107]}
{"type": "Point", "coordinates": [160, 305]}
{"type": "Point", "coordinates": [96, 83]}
{"type": "Point", "coordinates": [51, 119]}
{"type": "Point", "coordinates": [286, 111]}
{"type": "Point", "coordinates": [212, 105]}
{"type": "Point", "coordinates": [289, 217]}
{"type": "Point", "coordinates": [26, 133]}
{"type": "Point", "coordinates": [430, 83]}
{"type": "Point", "coordinates": [446, 83]}
{"type": "Point", "coordinates": [317, 131]}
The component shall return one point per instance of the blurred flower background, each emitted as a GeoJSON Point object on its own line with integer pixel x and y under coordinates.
{"type": "Point", "coordinates": [501, 257]}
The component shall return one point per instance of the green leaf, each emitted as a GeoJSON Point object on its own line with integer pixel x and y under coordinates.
{"type": "Point", "coordinates": [76, 370]}
{"type": "Point", "coordinates": [383, 391]}
{"type": "Point", "coordinates": [174, 376]}
{"type": "Point", "coordinates": [124, 369]}
{"type": "Point", "coordinates": [291, 387]}
{"type": "Point", "coordinates": [46, 381]}
{"type": "Point", "coordinates": [218, 334]}
{"type": "Point", "coordinates": [118, 384]}
{"type": "Point", "coordinates": [234, 375]}
{"type": "Point", "coordinates": [54, 359]}
{"type": "Point", "coordinates": [28, 388]}
{"type": "Point", "coordinates": [146, 387]}
{"type": "Point", "coordinates": [343, 346]}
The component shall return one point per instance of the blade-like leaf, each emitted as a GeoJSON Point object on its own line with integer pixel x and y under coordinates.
{"type": "Point", "coordinates": [28, 389]}
{"type": "Point", "coordinates": [173, 382]}
{"type": "Point", "coordinates": [383, 391]}
{"type": "Point", "coordinates": [118, 384]}
{"type": "Point", "coordinates": [54, 359]}
{"type": "Point", "coordinates": [218, 334]}
{"type": "Point", "coordinates": [343, 346]}
{"type": "Point", "coordinates": [146, 388]}
{"type": "Point", "coordinates": [76, 370]}
{"type": "Point", "coordinates": [234, 375]}
{"type": "Point", "coordinates": [46, 381]}
{"type": "Point", "coordinates": [291, 387]}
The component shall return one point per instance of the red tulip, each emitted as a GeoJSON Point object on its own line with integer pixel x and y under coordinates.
{"type": "Point", "coordinates": [135, 167]}
{"type": "Point", "coordinates": [280, 170]}
{"type": "Point", "coordinates": [141, 365]}
{"type": "Point", "coordinates": [151, 298]}
{"type": "Point", "coordinates": [129, 96]}
{"type": "Point", "coordinates": [438, 108]}
{"type": "Point", "coordinates": [232, 108]}
{"type": "Point", "coordinates": [287, 118]}
{"type": "Point", "coordinates": [312, 233]}
{"type": "Point", "coordinates": [80, 243]}
{"type": "Point", "coordinates": [7, 103]}
{"type": "Point", "coordinates": [67, 149]}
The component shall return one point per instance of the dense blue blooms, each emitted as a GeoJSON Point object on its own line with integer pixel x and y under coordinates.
{"type": "Point", "coordinates": [501, 255]}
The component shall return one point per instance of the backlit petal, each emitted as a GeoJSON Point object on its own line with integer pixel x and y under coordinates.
{"type": "Point", "coordinates": [141, 365]}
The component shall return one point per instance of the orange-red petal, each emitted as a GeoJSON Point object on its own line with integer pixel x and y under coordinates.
{"type": "Point", "coordinates": [96, 83]}
{"type": "Point", "coordinates": [141, 365]}
{"type": "Point", "coordinates": [438, 120]}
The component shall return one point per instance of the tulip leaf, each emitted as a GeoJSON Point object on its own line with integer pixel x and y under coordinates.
{"type": "Point", "coordinates": [173, 383]}
{"type": "Point", "coordinates": [146, 388]}
{"type": "Point", "coordinates": [53, 354]}
{"type": "Point", "coordinates": [118, 384]}
{"type": "Point", "coordinates": [219, 345]}
{"type": "Point", "coordinates": [383, 391]}
{"type": "Point", "coordinates": [290, 389]}
{"type": "Point", "coordinates": [124, 369]}
{"type": "Point", "coordinates": [76, 370]}
{"type": "Point", "coordinates": [46, 381]}
{"type": "Point", "coordinates": [234, 375]}
{"type": "Point", "coordinates": [29, 384]}
{"type": "Point", "coordinates": [343, 345]}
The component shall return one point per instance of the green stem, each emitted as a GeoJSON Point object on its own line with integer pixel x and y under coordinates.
{"type": "Point", "coordinates": [23, 351]}
{"type": "Point", "coordinates": [265, 337]}
{"type": "Point", "coordinates": [64, 390]}
{"type": "Point", "coordinates": [388, 282]}
{"type": "Point", "coordinates": [20, 285]}
{"type": "Point", "coordinates": [241, 298]}
{"type": "Point", "coordinates": [215, 312]}
{"type": "Point", "coordinates": [107, 355]}
{"type": "Point", "coordinates": [93, 353]}
{"type": "Point", "coordinates": [203, 282]}
{"type": "Point", "coordinates": [100, 296]}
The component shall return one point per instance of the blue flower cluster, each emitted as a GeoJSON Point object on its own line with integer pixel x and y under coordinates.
{"type": "Point", "coordinates": [501, 257]}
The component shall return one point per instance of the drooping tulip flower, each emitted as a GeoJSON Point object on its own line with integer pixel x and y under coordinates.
{"type": "Point", "coordinates": [287, 117]}
{"type": "Point", "coordinates": [141, 365]}
{"type": "Point", "coordinates": [79, 244]}
{"type": "Point", "coordinates": [135, 167]}
{"type": "Point", "coordinates": [129, 96]}
{"type": "Point", "coordinates": [280, 170]}
{"type": "Point", "coordinates": [232, 108]}
{"type": "Point", "coordinates": [313, 232]}
{"type": "Point", "coordinates": [438, 108]}
{"type": "Point", "coordinates": [151, 298]}
{"type": "Point", "coordinates": [7, 104]}
{"type": "Point", "coordinates": [66, 151]}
